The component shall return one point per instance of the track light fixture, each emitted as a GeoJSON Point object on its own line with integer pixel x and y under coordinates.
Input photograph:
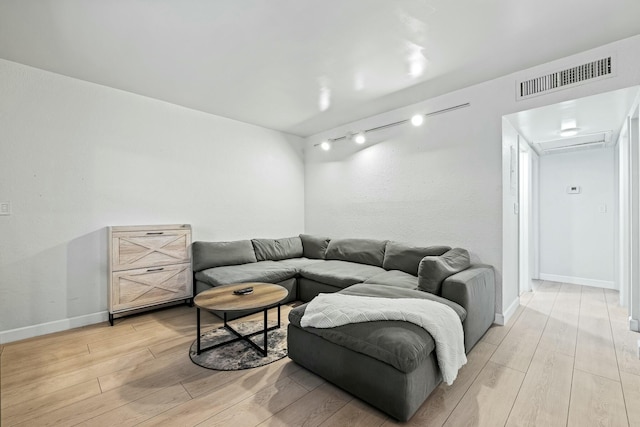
{"type": "Point", "coordinates": [417, 120]}
{"type": "Point", "coordinates": [360, 138]}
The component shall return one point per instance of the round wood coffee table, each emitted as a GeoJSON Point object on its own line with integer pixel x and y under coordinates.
{"type": "Point", "coordinates": [222, 298]}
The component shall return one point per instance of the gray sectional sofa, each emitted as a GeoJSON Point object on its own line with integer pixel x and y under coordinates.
{"type": "Point", "coordinates": [390, 364]}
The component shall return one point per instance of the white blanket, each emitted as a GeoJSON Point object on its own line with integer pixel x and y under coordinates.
{"type": "Point", "coordinates": [440, 320]}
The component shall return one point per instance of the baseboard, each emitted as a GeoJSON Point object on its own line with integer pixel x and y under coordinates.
{"type": "Point", "coordinates": [502, 319]}
{"type": "Point", "coordinates": [50, 327]}
{"type": "Point", "coordinates": [578, 281]}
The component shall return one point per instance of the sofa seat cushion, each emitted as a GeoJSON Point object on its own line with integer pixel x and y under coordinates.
{"type": "Point", "coordinates": [395, 278]}
{"type": "Point", "coordinates": [339, 273]}
{"type": "Point", "coordinates": [298, 263]}
{"type": "Point", "coordinates": [262, 271]}
{"type": "Point", "coordinates": [402, 345]}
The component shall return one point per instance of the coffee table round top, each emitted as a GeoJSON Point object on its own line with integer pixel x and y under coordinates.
{"type": "Point", "coordinates": [222, 298]}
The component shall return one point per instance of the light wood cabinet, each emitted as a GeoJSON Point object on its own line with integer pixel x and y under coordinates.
{"type": "Point", "coordinates": [148, 266]}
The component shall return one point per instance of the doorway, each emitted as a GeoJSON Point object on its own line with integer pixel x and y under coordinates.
{"type": "Point", "coordinates": [598, 123]}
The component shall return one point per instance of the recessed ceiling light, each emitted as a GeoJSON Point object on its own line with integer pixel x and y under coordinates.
{"type": "Point", "coordinates": [325, 145]}
{"type": "Point", "coordinates": [569, 132]}
{"type": "Point", "coordinates": [417, 120]}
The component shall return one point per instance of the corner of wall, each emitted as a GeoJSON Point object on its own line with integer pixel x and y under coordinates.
{"type": "Point", "coordinates": [502, 319]}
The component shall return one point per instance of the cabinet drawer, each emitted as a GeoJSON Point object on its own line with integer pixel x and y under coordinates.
{"type": "Point", "coordinates": [148, 286]}
{"type": "Point", "coordinates": [136, 249]}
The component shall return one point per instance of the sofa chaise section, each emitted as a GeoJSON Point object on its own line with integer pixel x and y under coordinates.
{"type": "Point", "coordinates": [390, 364]}
{"type": "Point", "coordinates": [400, 354]}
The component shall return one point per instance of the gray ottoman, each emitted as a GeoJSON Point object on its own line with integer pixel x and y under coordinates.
{"type": "Point", "coordinates": [389, 364]}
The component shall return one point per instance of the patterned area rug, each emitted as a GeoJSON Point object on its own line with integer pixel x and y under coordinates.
{"type": "Point", "coordinates": [239, 355]}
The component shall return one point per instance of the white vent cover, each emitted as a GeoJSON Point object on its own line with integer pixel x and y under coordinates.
{"type": "Point", "coordinates": [585, 73]}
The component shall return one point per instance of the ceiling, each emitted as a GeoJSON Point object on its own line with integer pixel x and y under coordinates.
{"type": "Point", "coordinates": [302, 66]}
{"type": "Point", "coordinates": [594, 116]}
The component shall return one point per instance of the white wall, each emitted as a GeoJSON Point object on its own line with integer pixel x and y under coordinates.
{"type": "Point", "coordinates": [60, 139]}
{"type": "Point", "coordinates": [441, 183]}
{"type": "Point", "coordinates": [77, 157]}
{"type": "Point", "coordinates": [576, 237]}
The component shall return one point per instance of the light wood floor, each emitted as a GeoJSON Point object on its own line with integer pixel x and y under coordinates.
{"type": "Point", "coordinates": [566, 358]}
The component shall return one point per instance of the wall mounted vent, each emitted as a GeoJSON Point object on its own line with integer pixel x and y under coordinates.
{"type": "Point", "coordinates": [581, 74]}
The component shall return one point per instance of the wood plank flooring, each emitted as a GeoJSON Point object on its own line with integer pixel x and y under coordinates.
{"type": "Point", "coordinates": [566, 358]}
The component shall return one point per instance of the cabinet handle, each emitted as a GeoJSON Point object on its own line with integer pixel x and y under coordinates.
{"type": "Point", "coordinates": [155, 269]}
{"type": "Point", "coordinates": [159, 232]}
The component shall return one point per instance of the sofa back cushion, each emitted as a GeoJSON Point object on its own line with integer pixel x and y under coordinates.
{"type": "Point", "coordinates": [434, 269]}
{"type": "Point", "coordinates": [399, 256]}
{"type": "Point", "coordinates": [277, 249]}
{"type": "Point", "coordinates": [362, 251]}
{"type": "Point", "coordinates": [314, 247]}
{"type": "Point", "coordinates": [215, 254]}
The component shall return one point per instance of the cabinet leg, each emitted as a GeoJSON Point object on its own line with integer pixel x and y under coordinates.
{"type": "Point", "coordinates": [111, 318]}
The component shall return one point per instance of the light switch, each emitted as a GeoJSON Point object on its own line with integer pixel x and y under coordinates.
{"type": "Point", "coordinates": [602, 208]}
{"type": "Point", "coordinates": [5, 208]}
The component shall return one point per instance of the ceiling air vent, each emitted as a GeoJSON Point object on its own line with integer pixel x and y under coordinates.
{"type": "Point", "coordinates": [595, 70]}
{"type": "Point", "coordinates": [591, 140]}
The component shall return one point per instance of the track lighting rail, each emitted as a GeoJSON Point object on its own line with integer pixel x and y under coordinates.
{"type": "Point", "coordinates": [326, 144]}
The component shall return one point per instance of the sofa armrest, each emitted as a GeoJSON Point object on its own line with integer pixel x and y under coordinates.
{"type": "Point", "coordinates": [473, 289]}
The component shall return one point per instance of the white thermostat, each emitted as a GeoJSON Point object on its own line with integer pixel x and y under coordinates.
{"type": "Point", "coordinates": [573, 189]}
